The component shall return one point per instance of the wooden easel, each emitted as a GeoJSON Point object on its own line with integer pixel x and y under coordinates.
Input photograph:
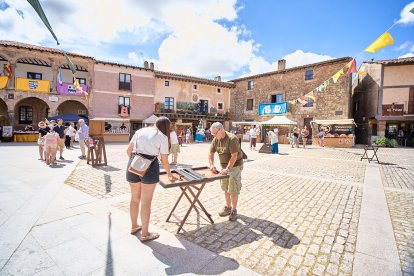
{"type": "Point", "coordinates": [96, 151]}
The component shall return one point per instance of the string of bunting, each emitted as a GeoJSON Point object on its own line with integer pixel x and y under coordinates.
{"type": "Point", "coordinates": [39, 10]}
{"type": "Point", "coordinates": [381, 42]}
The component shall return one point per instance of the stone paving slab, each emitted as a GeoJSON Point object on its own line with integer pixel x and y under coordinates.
{"type": "Point", "coordinates": [401, 207]}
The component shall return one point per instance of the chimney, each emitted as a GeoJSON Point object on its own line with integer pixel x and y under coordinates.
{"type": "Point", "coordinates": [217, 78]}
{"type": "Point", "coordinates": [146, 64]}
{"type": "Point", "coordinates": [281, 65]}
{"type": "Point", "coordinates": [152, 65]}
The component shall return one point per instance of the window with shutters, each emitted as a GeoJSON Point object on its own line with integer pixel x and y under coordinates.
{"type": "Point", "coordinates": [249, 104]}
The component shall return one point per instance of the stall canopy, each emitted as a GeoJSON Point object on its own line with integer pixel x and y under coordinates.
{"type": "Point", "coordinates": [69, 117]}
{"type": "Point", "coordinates": [245, 123]}
{"type": "Point", "coordinates": [279, 120]}
{"type": "Point", "coordinates": [110, 119]}
{"type": "Point", "coordinates": [334, 122]}
{"type": "Point", "coordinates": [150, 120]}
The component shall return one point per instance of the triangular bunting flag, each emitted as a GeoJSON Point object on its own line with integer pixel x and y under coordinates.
{"type": "Point", "coordinates": [352, 68]}
{"type": "Point", "coordinates": [325, 84]}
{"type": "Point", "coordinates": [38, 8]}
{"type": "Point", "coordinates": [361, 73]}
{"type": "Point", "coordinates": [337, 75]}
{"type": "Point", "coordinates": [70, 63]}
{"type": "Point", "coordinates": [384, 40]}
{"type": "Point", "coordinates": [412, 11]}
{"type": "Point", "coordinates": [310, 95]}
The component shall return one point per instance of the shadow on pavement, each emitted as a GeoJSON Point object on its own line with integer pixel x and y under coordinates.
{"type": "Point", "coordinates": [184, 260]}
{"type": "Point", "coordinates": [107, 168]}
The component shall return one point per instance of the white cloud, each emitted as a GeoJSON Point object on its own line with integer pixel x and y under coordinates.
{"type": "Point", "coordinates": [406, 17]}
{"type": "Point", "coordinates": [299, 58]}
{"type": "Point", "coordinates": [407, 55]}
{"type": "Point", "coordinates": [404, 46]}
{"type": "Point", "coordinates": [133, 56]}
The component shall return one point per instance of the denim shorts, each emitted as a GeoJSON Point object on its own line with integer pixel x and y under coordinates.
{"type": "Point", "coordinates": [151, 177]}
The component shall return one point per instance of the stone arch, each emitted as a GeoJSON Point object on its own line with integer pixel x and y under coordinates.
{"type": "Point", "coordinates": [30, 110]}
{"type": "Point", "coordinates": [72, 106]}
{"type": "Point", "coordinates": [4, 115]}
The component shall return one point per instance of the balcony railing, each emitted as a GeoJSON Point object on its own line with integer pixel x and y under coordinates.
{"type": "Point", "coordinates": [29, 85]}
{"type": "Point", "coordinates": [69, 89]}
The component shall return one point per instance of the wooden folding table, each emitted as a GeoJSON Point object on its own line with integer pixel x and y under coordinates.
{"type": "Point", "coordinates": [190, 190]}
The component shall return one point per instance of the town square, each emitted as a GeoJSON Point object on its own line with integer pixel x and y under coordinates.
{"type": "Point", "coordinates": [213, 154]}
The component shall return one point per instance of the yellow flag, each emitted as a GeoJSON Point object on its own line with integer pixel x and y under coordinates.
{"type": "Point", "coordinates": [384, 40]}
{"type": "Point", "coordinates": [361, 73]}
{"type": "Point", "coordinates": [310, 96]}
{"type": "Point", "coordinates": [337, 75]}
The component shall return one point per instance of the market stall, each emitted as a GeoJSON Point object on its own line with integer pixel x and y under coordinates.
{"type": "Point", "coordinates": [338, 133]}
{"type": "Point", "coordinates": [242, 130]}
{"type": "Point", "coordinates": [283, 124]}
{"type": "Point", "coordinates": [116, 129]}
{"type": "Point", "coordinates": [25, 136]}
{"type": "Point", "coordinates": [150, 120]}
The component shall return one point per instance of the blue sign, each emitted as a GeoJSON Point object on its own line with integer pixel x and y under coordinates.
{"type": "Point", "coordinates": [272, 108]}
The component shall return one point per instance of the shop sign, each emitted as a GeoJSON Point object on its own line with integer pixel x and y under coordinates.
{"type": "Point", "coordinates": [337, 130]}
{"type": "Point", "coordinates": [393, 109]}
{"type": "Point", "coordinates": [8, 131]}
{"type": "Point", "coordinates": [272, 108]}
{"type": "Point", "coordinates": [53, 99]}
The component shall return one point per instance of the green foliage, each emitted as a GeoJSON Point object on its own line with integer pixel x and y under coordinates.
{"type": "Point", "coordinates": [381, 141]}
{"type": "Point", "coordinates": [385, 142]}
{"type": "Point", "coordinates": [213, 110]}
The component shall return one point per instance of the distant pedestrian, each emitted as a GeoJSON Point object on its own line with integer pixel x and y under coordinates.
{"type": "Point", "coordinates": [175, 146]}
{"type": "Point", "coordinates": [295, 137]}
{"type": "Point", "coordinates": [187, 136]}
{"type": "Point", "coordinates": [253, 137]}
{"type": "Point", "coordinates": [180, 136]}
{"type": "Point", "coordinates": [71, 132]}
{"type": "Point", "coordinates": [274, 140]}
{"type": "Point", "coordinates": [61, 130]}
{"type": "Point", "coordinates": [43, 130]}
{"type": "Point", "coordinates": [321, 137]}
{"type": "Point", "coordinates": [51, 141]}
{"type": "Point", "coordinates": [83, 133]}
{"type": "Point", "coordinates": [305, 133]}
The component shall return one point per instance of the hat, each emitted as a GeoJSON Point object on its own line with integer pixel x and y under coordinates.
{"type": "Point", "coordinates": [41, 124]}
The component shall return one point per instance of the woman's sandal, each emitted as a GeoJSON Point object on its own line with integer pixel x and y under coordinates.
{"type": "Point", "coordinates": [149, 237]}
{"type": "Point", "coordinates": [136, 229]}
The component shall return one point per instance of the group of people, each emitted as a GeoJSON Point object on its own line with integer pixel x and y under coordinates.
{"type": "Point", "coordinates": [158, 140]}
{"type": "Point", "coordinates": [297, 134]}
{"type": "Point", "coordinates": [184, 136]}
{"type": "Point", "coordinates": [54, 137]}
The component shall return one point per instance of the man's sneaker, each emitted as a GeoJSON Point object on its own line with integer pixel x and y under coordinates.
{"type": "Point", "coordinates": [61, 158]}
{"type": "Point", "coordinates": [226, 212]}
{"type": "Point", "coordinates": [233, 215]}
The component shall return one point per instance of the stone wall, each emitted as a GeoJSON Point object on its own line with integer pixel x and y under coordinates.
{"type": "Point", "coordinates": [333, 103]}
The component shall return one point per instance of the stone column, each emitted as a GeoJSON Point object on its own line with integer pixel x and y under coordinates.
{"type": "Point", "coordinates": [53, 83]}
{"type": "Point", "coordinates": [381, 128]}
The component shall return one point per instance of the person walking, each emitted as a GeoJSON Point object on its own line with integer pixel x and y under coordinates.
{"type": "Point", "coordinates": [43, 130]}
{"type": "Point", "coordinates": [148, 142]}
{"type": "Point", "coordinates": [175, 146]}
{"type": "Point", "coordinates": [321, 137]}
{"type": "Point", "coordinates": [230, 155]}
{"type": "Point", "coordinates": [305, 134]}
{"type": "Point", "coordinates": [71, 132]}
{"type": "Point", "coordinates": [61, 130]}
{"type": "Point", "coordinates": [253, 137]}
{"type": "Point", "coordinates": [83, 133]}
{"type": "Point", "coordinates": [187, 136]}
{"type": "Point", "coordinates": [296, 137]}
{"type": "Point", "coordinates": [51, 141]}
{"type": "Point", "coordinates": [274, 140]}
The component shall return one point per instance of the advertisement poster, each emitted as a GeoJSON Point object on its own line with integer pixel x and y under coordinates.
{"type": "Point", "coordinates": [7, 131]}
{"type": "Point", "coordinates": [272, 108]}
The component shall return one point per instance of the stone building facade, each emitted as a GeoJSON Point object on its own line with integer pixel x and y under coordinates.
{"type": "Point", "coordinates": [288, 84]}
{"type": "Point", "coordinates": [383, 100]}
{"type": "Point", "coordinates": [32, 93]}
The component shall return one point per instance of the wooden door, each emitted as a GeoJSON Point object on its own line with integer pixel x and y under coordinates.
{"type": "Point", "coordinates": [411, 101]}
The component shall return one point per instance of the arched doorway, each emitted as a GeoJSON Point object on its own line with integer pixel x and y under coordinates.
{"type": "Point", "coordinates": [4, 116]}
{"type": "Point", "coordinates": [72, 107]}
{"type": "Point", "coordinates": [30, 110]}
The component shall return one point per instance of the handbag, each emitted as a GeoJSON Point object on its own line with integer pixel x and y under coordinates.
{"type": "Point", "coordinates": [140, 165]}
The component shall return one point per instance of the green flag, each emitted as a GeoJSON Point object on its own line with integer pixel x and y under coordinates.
{"type": "Point", "coordinates": [412, 11]}
{"type": "Point", "coordinates": [38, 8]}
{"type": "Point", "coordinates": [70, 63]}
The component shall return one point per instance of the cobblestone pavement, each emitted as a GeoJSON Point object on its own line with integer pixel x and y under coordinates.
{"type": "Point", "coordinates": [401, 208]}
{"type": "Point", "coordinates": [298, 211]}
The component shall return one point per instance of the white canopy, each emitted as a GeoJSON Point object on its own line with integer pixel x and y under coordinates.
{"type": "Point", "coordinates": [334, 122]}
{"type": "Point", "coordinates": [279, 120]}
{"type": "Point", "coordinates": [110, 119]}
{"type": "Point", "coordinates": [150, 120]}
{"type": "Point", "coordinates": [245, 123]}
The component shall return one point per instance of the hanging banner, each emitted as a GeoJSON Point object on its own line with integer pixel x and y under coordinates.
{"type": "Point", "coordinates": [272, 108]}
{"type": "Point", "coordinates": [383, 41]}
{"type": "Point", "coordinates": [3, 82]}
{"type": "Point", "coordinates": [29, 85]}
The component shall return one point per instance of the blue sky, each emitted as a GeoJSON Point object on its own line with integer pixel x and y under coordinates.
{"type": "Point", "coordinates": [205, 38]}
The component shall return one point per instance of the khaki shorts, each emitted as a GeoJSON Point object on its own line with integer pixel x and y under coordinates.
{"type": "Point", "coordinates": [175, 148]}
{"type": "Point", "coordinates": [232, 185]}
{"type": "Point", "coordinates": [61, 143]}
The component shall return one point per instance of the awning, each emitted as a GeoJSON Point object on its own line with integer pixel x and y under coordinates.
{"type": "Point", "coordinates": [69, 117]}
{"type": "Point", "coordinates": [334, 122]}
{"type": "Point", "coordinates": [150, 120]}
{"type": "Point", "coordinates": [279, 120]}
{"type": "Point", "coordinates": [110, 119]}
{"type": "Point", "coordinates": [245, 123]}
